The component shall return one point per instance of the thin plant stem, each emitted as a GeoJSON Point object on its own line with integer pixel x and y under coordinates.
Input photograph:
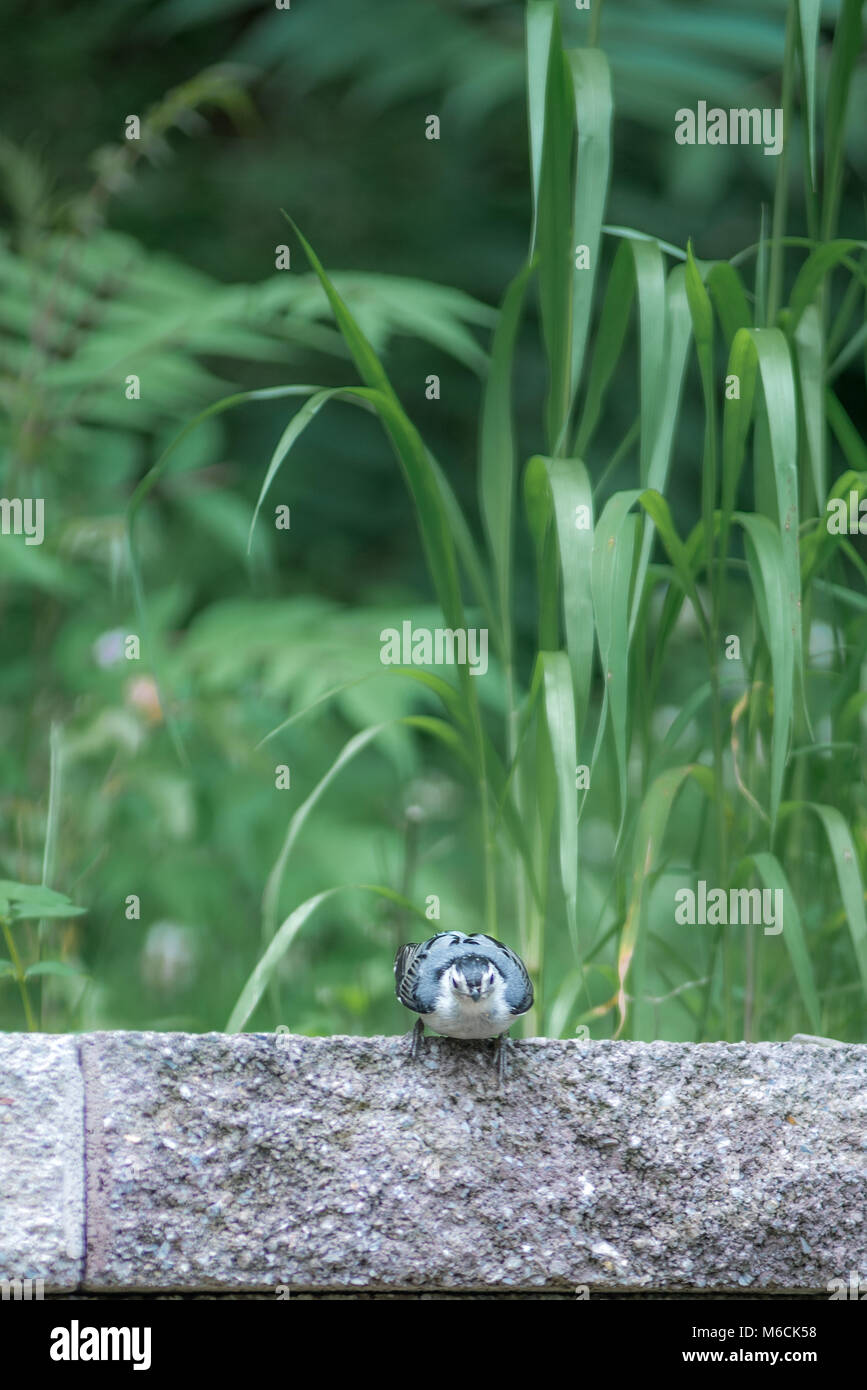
{"type": "Point", "coordinates": [19, 975]}
{"type": "Point", "coordinates": [778, 224]}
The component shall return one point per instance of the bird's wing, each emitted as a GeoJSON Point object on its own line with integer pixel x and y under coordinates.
{"type": "Point", "coordinates": [406, 968]}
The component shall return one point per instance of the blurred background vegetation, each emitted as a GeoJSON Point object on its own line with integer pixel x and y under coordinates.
{"type": "Point", "coordinates": [159, 258]}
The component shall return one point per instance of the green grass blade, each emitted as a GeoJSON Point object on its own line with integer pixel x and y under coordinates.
{"type": "Point", "coordinates": [737, 416]}
{"type": "Point", "coordinates": [649, 834]}
{"type": "Point", "coordinates": [554, 234]}
{"type": "Point", "coordinates": [468, 553]}
{"type": "Point", "coordinates": [729, 299]}
{"type": "Point", "coordinates": [816, 268]}
{"type": "Point", "coordinates": [560, 718]}
{"type": "Point", "coordinates": [412, 455]}
{"type": "Point", "coordinates": [650, 282]}
{"type": "Point", "coordinates": [591, 86]}
{"type": "Point", "coordinates": [678, 327]}
{"type": "Point", "coordinates": [573, 514]}
{"type": "Point", "coordinates": [819, 546]}
{"type": "Point", "coordinates": [282, 939]}
{"type": "Point", "coordinates": [771, 872]}
{"type": "Point", "coordinates": [767, 351]}
{"type": "Point", "coordinates": [136, 501]}
{"type": "Point", "coordinates": [542, 16]}
{"type": "Point", "coordinates": [848, 873]}
{"type": "Point", "coordinates": [611, 578]}
{"type": "Point", "coordinates": [370, 369]}
{"type": "Point", "coordinates": [766, 560]}
{"type": "Point", "coordinates": [778, 385]}
{"type": "Point", "coordinates": [677, 336]}
{"type": "Point", "coordinates": [610, 335]}
{"type": "Point", "coordinates": [809, 14]}
{"type": "Point", "coordinates": [810, 358]}
{"type": "Point", "coordinates": [497, 449]}
{"type": "Point", "coordinates": [539, 512]}
{"type": "Point", "coordinates": [852, 445]}
{"type": "Point", "coordinates": [657, 509]}
{"type": "Point", "coordinates": [351, 749]}
{"type": "Point", "coordinates": [293, 431]}
{"type": "Point", "coordinates": [701, 312]}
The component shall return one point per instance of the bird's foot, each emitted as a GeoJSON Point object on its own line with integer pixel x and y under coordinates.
{"type": "Point", "coordinates": [502, 1057]}
{"type": "Point", "coordinates": [415, 1044]}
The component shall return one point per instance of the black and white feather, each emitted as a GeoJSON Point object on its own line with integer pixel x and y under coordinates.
{"type": "Point", "coordinates": [465, 986]}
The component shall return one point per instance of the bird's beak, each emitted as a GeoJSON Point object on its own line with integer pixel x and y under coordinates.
{"type": "Point", "coordinates": [475, 991]}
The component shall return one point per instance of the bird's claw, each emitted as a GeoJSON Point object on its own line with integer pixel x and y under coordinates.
{"type": "Point", "coordinates": [502, 1056]}
{"type": "Point", "coordinates": [415, 1043]}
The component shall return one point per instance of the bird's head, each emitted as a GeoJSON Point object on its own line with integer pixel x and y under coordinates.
{"type": "Point", "coordinates": [472, 977]}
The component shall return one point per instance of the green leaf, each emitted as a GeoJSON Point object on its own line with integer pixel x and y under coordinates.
{"type": "Point", "coordinates": [611, 577]}
{"type": "Point", "coordinates": [845, 858]}
{"type": "Point", "coordinates": [350, 750]}
{"type": "Point", "coordinates": [773, 876]}
{"type": "Point", "coordinates": [767, 347]}
{"type": "Point", "coordinates": [610, 336]}
{"type": "Point", "coordinates": [814, 271]}
{"type": "Point", "coordinates": [136, 501]}
{"type": "Point", "coordinates": [809, 14]}
{"type": "Point", "coordinates": [766, 561]}
{"type": "Point", "coordinates": [810, 357]}
{"type": "Point", "coordinates": [560, 719]}
{"type": "Point", "coordinates": [572, 493]}
{"type": "Point", "coordinates": [263, 973]}
{"type": "Point", "coordinates": [737, 415]}
{"type": "Point", "coordinates": [60, 968]}
{"type": "Point", "coordinates": [293, 430]}
{"type": "Point", "coordinates": [677, 335]}
{"type": "Point", "coordinates": [701, 313]}
{"type": "Point", "coordinates": [699, 303]}
{"type": "Point", "coordinates": [539, 512]}
{"type": "Point", "coordinates": [637, 265]}
{"type": "Point", "coordinates": [468, 553]}
{"type": "Point", "coordinates": [591, 87]}
{"type": "Point", "coordinates": [370, 369]}
{"type": "Point", "coordinates": [729, 299]}
{"type": "Point", "coordinates": [819, 546]}
{"type": "Point", "coordinates": [28, 900]}
{"type": "Point", "coordinates": [497, 448]}
{"type": "Point", "coordinates": [413, 457]}
{"type": "Point", "coordinates": [542, 16]}
{"type": "Point", "coordinates": [657, 509]}
{"type": "Point", "coordinates": [845, 433]}
{"type": "Point", "coordinates": [554, 232]}
{"type": "Point", "coordinates": [649, 834]}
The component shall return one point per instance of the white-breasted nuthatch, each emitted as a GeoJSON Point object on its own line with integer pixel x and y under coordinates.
{"type": "Point", "coordinates": [463, 986]}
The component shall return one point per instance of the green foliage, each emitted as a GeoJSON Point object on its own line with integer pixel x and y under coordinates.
{"type": "Point", "coordinates": [636, 606]}
{"type": "Point", "coordinates": [658, 514]}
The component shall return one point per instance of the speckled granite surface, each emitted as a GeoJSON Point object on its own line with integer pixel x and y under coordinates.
{"type": "Point", "coordinates": [313, 1163]}
{"type": "Point", "coordinates": [41, 1160]}
{"type": "Point", "coordinates": [260, 1162]}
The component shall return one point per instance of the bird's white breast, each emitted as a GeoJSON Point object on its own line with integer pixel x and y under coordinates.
{"type": "Point", "coordinates": [457, 1016]}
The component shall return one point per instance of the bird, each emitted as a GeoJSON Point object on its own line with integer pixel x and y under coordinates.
{"type": "Point", "coordinates": [465, 986]}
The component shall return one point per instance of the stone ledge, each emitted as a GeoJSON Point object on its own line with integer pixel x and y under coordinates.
{"type": "Point", "coordinates": [247, 1162]}
{"type": "Point", "coordinates": [41, 1160]}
